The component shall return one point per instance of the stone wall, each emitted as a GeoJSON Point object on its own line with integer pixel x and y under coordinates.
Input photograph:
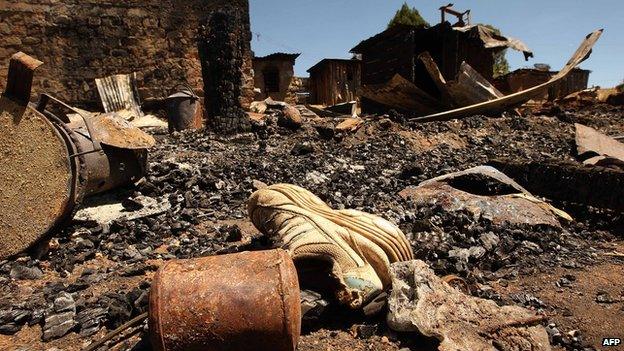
{"type": "Point", "coordinates": [298, 85]}
{"type": "Point", "coordinates": [80, 40]}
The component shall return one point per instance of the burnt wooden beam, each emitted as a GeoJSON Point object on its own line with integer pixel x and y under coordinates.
{"type": "Point", "coordinates": [222, 44]}
{"type": "Point", "coordinates": [437, 77]}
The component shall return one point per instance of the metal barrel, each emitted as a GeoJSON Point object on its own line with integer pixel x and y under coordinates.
{"type": "Point", "coordinates": [236, 302]}
{"type": "Point", "coordinates": [101, 166]}
{"type": "Point", "coordinates": [184, 111]}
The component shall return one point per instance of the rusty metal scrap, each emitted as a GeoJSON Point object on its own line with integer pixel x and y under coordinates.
{"type": "Point", "coordinates": [111, 151]}
{"type": "Point", "coordinates": [516, 99]}
{"type": "Point", "coordinates": [237, 302]}
{"type": "Point", "coordinates": [491, 39]}
{"type": "Point", "coordinates": [469, 87]}
{"type": "Point", "coordinates": [35, 178]}
{"type": "Point", "coordinates": [485, 192]}
{"type": "Point", "coordinates": [112, 130]}
{"type": "Point", "coordinates": [38, 186]}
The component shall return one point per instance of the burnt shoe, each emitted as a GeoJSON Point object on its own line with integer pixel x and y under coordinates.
{"type": "Point", "coordinates": [308, 236]}
{"type": "Point", "coordinates": [375, 241]}
{"type": "Point", "coordinates": [383, 242]}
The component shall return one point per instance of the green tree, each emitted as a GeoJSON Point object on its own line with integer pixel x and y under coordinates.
{"type": "Point", "coordinates": [409, 16]}
{"type": "Point", "coordinates": [501, 66]}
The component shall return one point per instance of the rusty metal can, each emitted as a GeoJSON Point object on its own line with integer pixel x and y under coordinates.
{"type": "Point", "coordinates": [236, 302]}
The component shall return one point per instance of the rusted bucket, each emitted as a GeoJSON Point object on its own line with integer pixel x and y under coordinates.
{"type": "Point", "coordinates": [184, 110]}
{"type": "Point", "coordinates": [112, 152]}
{"type": "Point", "coordinates": [237, 302]}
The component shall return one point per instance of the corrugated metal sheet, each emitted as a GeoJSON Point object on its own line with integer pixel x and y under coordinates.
{"type": "Point", "coordinates": [118, 92]}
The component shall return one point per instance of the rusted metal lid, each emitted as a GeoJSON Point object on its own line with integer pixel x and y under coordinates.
{"type": "Point", "coordinates": [112, 130]}
{"type": "Point", "coordinates": [186, 94]}
{"type": "Point", "coordinates": [35, 177]}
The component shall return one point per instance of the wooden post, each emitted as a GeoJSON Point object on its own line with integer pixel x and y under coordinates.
{"type": "Point", "coordinates": [19, 79]}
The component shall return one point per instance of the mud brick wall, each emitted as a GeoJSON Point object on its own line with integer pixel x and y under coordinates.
{"type": "Point", "coordinates": [284, 69]}
{"type": "Point", "coordinates": [80, 40]}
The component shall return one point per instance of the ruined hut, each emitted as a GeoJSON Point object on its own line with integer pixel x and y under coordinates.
{"type": "Point", "coordinates": [396, 50]}
{"type": "Point", "coordinates": [83, 40]}
{"type": "Point", "coordinates": [273, 77]}
{"type": "Point", "coordinates": [333, 81]}
{"type": "Point", "coordinates": [525, 78]}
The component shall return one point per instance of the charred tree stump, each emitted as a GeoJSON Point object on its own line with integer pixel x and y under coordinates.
{"type": "Point", "coordinates": [222, 49]}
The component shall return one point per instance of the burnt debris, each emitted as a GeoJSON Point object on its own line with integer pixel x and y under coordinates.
{"type": "Point", "coordinates": [416, 203]}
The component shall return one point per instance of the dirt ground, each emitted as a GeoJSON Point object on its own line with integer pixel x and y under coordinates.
{"type": "Point", "coordinates": [571, 308]}
{"type": "Point", "coordinates": [576, 305]}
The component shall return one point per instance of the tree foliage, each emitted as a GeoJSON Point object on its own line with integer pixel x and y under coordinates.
{"type": "Point", "coordinates": [409, 16]}
{"type": "Point", "coordinates": [501, 65]}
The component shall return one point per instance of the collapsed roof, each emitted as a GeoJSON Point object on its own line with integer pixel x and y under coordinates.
{"type": "Point", "coordinates": [488, 37]}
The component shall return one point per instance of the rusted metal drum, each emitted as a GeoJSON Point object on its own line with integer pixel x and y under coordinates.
{"type": "Point", "coordinates": [37, 178]}
{"type": "Point", "coordinates": [184, 111]}
{"type": "Point", "coordinates": [237, 302]}
{"type": "Point", "coordinates": [111, 152]}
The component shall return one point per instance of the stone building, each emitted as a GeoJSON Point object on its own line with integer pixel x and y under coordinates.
{"type": "Point", "coordinates": [273, 77]}
{"type": "Point", "coordinates": [80, 40]}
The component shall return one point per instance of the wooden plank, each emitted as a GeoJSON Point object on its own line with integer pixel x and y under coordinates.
{"type": "Point", "coordinates": [437, 77]}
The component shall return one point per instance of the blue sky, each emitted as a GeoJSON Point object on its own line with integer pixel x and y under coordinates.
{"type": "Point", "coordinates": [551, 28]}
